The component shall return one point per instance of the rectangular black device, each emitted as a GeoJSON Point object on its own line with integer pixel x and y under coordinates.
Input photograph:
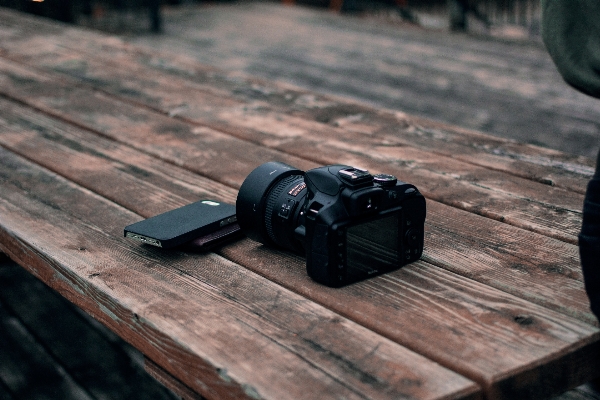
{"type": "Point", "coordinates": [209, 219]}
{"type": "Point", "coordinates": [349, 224]}
{"type": "Point", "coordinates": [379, 229]}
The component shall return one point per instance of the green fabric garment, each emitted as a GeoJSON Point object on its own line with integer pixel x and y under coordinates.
{"type": "Point", "coordinates": [571, 32]}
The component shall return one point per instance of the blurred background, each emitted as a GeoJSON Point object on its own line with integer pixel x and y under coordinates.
{"type": "Point", "coordinates": [522, 13]}
{"type": "Point", "coordinates": [478, 64]}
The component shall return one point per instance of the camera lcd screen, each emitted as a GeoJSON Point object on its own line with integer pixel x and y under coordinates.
{"type": "Point", "coordinates": [373, 246]}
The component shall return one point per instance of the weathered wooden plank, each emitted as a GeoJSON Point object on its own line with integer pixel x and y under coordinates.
{"type": "Point", "coordinates": [170, 381]}
{"type": "Point", "coordinates": [188, 311]}
{"type": "Point", "coordinates": [101, 367]}
{"type": "Point", "coordinates": [177, 141]}
{"type": "Point", "coordinates": [518, 319]}
{"type": "Point", "coordinates": [519, 202]}
{"type": "Point", "coordinates": [447, 319]}
{"type": "Point", "coordinates": [23, 359]}
{"type": "Point", "coordinates": [506, 87]}
{"type": "Point", "coordinates": [97, 162]}
{"type": "Point", "coordinates": [323, 108]}
{"type": "Point", "coordinates": [540, 164]}
{"type": "Point", "coordinates": [421, 292]}
{"type": "Point", "coordinates": [516, 266]}
{"type": "Point", "coordinates": [555, 212]}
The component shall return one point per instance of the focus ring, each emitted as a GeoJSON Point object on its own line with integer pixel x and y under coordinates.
{"type": "Point", "coordinates": [272, 202]}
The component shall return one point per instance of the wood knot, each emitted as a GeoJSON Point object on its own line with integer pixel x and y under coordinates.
{"type": "Point", "coordinates": [524, 320]}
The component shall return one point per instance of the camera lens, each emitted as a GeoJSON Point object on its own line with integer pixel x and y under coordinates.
{"type": "Point", "coordinates": [268, 204]}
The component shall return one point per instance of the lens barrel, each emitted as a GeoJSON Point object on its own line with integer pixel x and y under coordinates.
{"type": "Point", "coordinates": [262, 200]}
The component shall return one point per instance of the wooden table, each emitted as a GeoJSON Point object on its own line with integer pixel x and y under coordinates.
{"type": "Point", "coordinates": [96, 134]}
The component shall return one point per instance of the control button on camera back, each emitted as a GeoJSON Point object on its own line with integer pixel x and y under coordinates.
{"type": "Point", "coordinates": [412, 237]}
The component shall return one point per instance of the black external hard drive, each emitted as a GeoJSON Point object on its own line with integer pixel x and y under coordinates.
{"type": "Point", "coordinates": [210, 219]}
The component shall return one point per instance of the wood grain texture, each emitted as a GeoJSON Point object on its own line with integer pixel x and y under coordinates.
{"type": "Point", "coordinates": [491, 300]}
{"type": "Point", "coordinates": [510, 88]}
{"type": "Point", "coordinates": [470, 56]}
{"type": "Point", "coordinates": [201, 150]}
{"type": "Point", "coordinates": [101, 365]}
{"type": "Point", "coordinates": [484, 257]}
{"type": "Point", "coordinates": [174, 384]}
{"type": "Point", "coordinates": [186, 312]}
{"type": "Point", "coordinates": [442, 316]}
{"type": "Point", "coordinates": [507, 198]}
{"type": "Point", "coordinates": [210, 79]}
{"type": "Point", "coordinates": [382, 304]}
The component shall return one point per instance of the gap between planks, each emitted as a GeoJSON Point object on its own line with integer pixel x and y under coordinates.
{"type": "Point", "coordinates": [569, 213]}
{"type": "Point", "coordinates": [300, 271]}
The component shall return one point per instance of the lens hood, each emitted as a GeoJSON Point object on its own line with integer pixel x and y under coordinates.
{"type": "Point", "coordinates": [252, 198]}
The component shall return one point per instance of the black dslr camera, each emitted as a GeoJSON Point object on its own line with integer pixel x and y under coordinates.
{"type": "Point", "coordinates": [350, 224]}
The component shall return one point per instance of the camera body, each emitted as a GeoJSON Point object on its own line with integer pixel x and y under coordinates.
{"type": "Point", "coordinates": [349, 224]}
